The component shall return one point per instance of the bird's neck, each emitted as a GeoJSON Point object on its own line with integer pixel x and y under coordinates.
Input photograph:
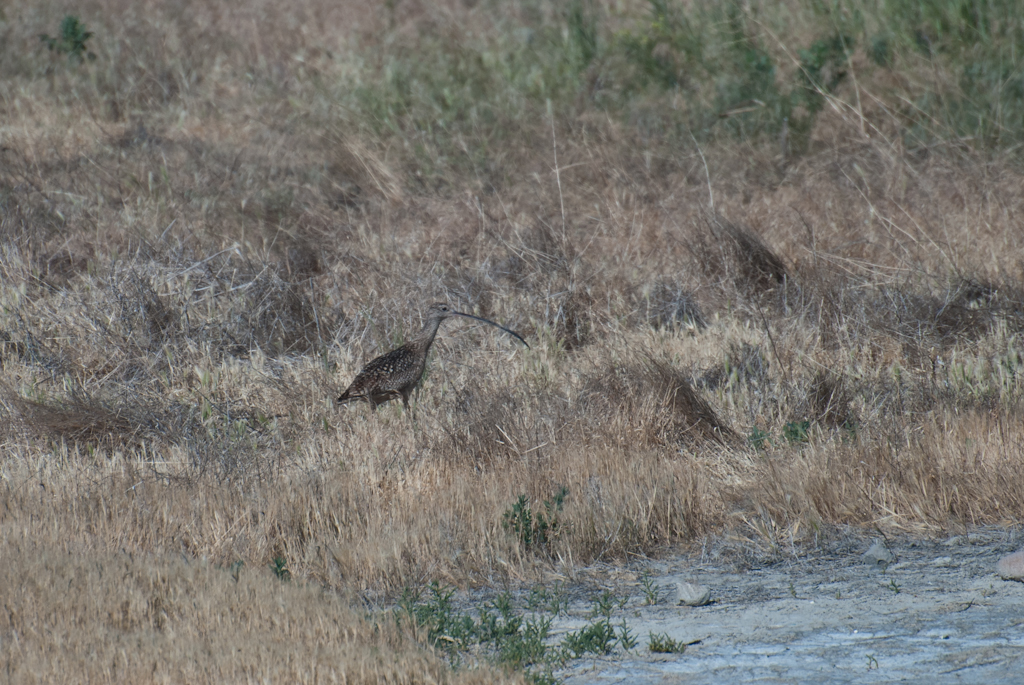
{"type": "Point", "coordinates": [425, 338]}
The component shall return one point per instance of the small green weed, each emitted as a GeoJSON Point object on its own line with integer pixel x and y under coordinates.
{"type": "Point", "coordinates": [534, 529]}
{"type": "Point", "coordinates": [553, 601]}
{"type": "Point", "coordinates": [582, 32]}
{"type": "Point", "coordinates": [607, 603]}
{"type": "Point", "coordinates": [661, 643]}
{"type": "Point", "coordinates": [626, 638]}
{"type": "Point", "coordinates": [280, 568]}
{"type": "Point", "coordinates": [880, 50]}
{"type": "Point", "coordinates": [447, 630]}
{"type": "Point", "coordinates": [599, 636]}
{"type": "Point", "coordinates": [545, 677]}
{"type": "Point", "coordinates": [759, 439]}
{"type": "Point", "coordinates": [594, 638]}
{"type": "Point", "coordinates": [650, 589]}
{"type": "Point", "coordinates": [510, 638]}
{"type": "Point", "coordinates": [72, 40]}
{"type": "Point", "coordinates": [797, 431]}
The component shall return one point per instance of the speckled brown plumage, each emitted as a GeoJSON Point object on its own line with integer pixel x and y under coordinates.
{"type": "Point", "coordinates": [397, 373]}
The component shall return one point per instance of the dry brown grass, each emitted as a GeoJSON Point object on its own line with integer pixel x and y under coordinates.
{"type": "Point", "coordinates": [74, 613]}
{"type": "Point", "coordinates": [199, 248]}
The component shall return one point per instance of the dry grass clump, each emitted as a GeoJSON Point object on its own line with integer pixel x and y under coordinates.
{"type": "Point", "coordinates": [744, 363]}
{"type": "Point", "coordinates": [738, 254]}
{"type": "Point", "coordinates": [207, 231]}
{"type": "Point", "coordinates": [668, 304]}
{"type": "Point", "coordinates": [829, 400]}
{"type": "Point", "coordinates": [86, 421]}
{"type": "Point", "coordinates": [906, 485]}
{"type": "Point", "coordinates": [653, 394]}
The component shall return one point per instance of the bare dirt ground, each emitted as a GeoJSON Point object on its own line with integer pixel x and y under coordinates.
{"type": "Point", "coordinates": [938, 613]}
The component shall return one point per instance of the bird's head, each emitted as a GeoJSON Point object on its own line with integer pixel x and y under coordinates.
{"type": "Point", "coordinates": [440, 310]}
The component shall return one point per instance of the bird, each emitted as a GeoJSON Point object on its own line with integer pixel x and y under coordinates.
{"type": "Point", "coordinates": [397, 373]}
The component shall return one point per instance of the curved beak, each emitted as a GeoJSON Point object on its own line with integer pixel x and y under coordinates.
{"type": "Point", "coordinates": [480, 318]}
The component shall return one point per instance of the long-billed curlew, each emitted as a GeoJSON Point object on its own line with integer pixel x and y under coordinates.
{"type": "Point", "coordinates": [398, 372]}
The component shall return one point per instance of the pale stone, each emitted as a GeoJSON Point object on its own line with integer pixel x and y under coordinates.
{"type": "Point", "coordinates": [1011, 567]}
{"type": "Point", "coordinates": [692, 595]}
{"type": "Point", "coordinates": [879, 555]}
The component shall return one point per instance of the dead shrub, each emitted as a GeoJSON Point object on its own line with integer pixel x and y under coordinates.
{"type": "Point", "coordinates": [60, 267]}
{"type": "Point", "coordinates": [744, 364]}
{"type": "Point", "coordinates": [756, 268]}
{"type": "Point", "coordinates": [475, 289]}
{"type": "Point", "coordinates": [927, 319]}
{"type": "Point", "coordinates": [916, 315]}
{"type": "Point", "coordinates": [710, 256]}
{"type": "Point", "coordinates": [302, 260]}
{"type": "Point", "coordinates": [655, 400]}
{"type": "Point", "coordinates": [573, 320]}
{"type": "Point", "coordinates": [146, 318]}
{"type": "Point", "coordinates": [86, 422]}
{"type": "Point", "coordinates": [26, 215]}
{"type": "Point", "coordinates": [828, 400]}
{"type": "Point", "coordinates": [225, 440]}
{"type": "Point", "coordinates": [537, 257]}
{"type": "Point", "coordinates": [670, 305]}
{"type": "Point", "coordinates": [10, 349]}
{"type": "Point", "coordinates": [501, 425]}
{"type": "Point", "coordinates": [276, 316]}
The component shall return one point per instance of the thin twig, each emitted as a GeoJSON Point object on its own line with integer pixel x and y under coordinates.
{"type": "Point", "coordinates": [771, 340]}
{"type": "Point", "coordinates": [558, 175]}
{"type": "Point", "coordinates": [707, 174]}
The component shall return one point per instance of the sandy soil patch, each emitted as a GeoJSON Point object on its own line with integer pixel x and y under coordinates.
{"type": "Point", "coordinates": [939, 612]}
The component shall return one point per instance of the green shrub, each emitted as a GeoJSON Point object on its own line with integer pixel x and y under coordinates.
{"type": "Point", "coordinates": [983, 43]}
{"type": "Point", "coordinates": [597, 637]}
{"type": "Point", "coordinates": [797, 431]}
{"type": "Point", "coordinates": [534, 529]}
{"type": "Point", "coordinates": [71, 41]}
{"type": "Point", "coordinates": [823, 68]}
{"type": "Point", "coordinates": [759, 439]}
{"type": "Point", "coordinates": [457, 99]}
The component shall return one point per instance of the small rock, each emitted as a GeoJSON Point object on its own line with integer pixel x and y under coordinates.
{"type": "Point", "coordinates": [879, 555]}
{"type": "Point", "coordinates": [1011, 567]}
{"type": "Point", "coordinates": [688, 594]}
{"type": "Point", "coordinates": [942, 561]}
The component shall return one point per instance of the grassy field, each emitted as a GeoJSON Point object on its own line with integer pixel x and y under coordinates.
{"type": "Point", "coordinates": [769, 258]}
